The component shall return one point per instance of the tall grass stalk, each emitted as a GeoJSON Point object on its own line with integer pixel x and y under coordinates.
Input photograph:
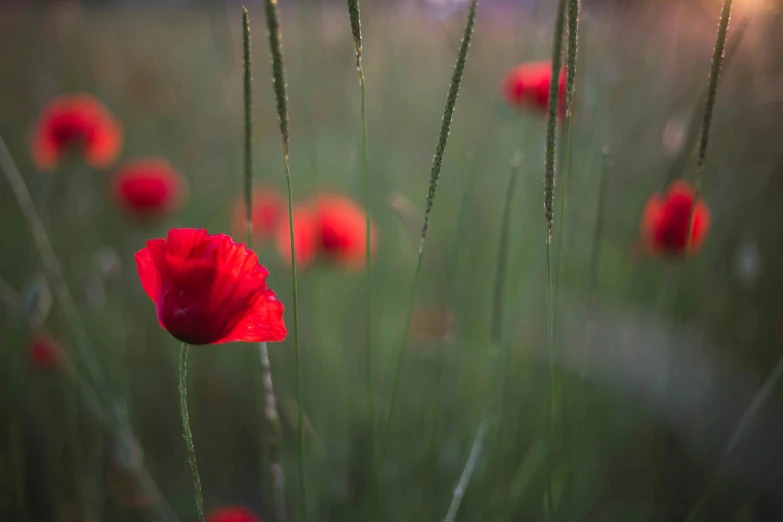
{"type": "Point", "coordinates": [278, 80]}
{"type": "Point", "coordinates": [549, 194]}
{"type": "Point", "coordinates": [437, 162]}
{"type": "Point", "coordinates": [744, 424]}
{"type": "Point", "coordinates": [356, 30]}
{"type": "Point", "coordinates": [571, 55]}
{"type": "Point", "coordinates": [273, 432]}
{"type": "Point", "coordinates": [501, 263]}
{"type": "Point", "coordinates": [183, 404]}
{"type": "Point", "coordinates": [712, 90]}
{"type": "Point", "coordinates": [467, 471]}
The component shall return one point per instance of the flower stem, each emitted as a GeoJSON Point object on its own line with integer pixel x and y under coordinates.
{"type": "Point", "coordinates": [278, 80]}
{"type": "Point", "coordinates": [183, 404]}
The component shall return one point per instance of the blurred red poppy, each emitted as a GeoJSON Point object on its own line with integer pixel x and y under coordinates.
{"type": "Point", "coordinates": [232, 514]}
{"type": "Point", "coordinates": [207, 289]}
{"type": "Point", "coordinates": [76, 123]}
{"type": "Point", "coordinates": [527, 86]}
{"type": "Point", "coordinates": [148, 188]}
{"type": "Point", "coordinates": [342, 230]}
{"type": "Point", "coordinates": [269, 208]}
{"type": "Point", "coordinates": [666, 219]}
{"type": "Point", "coordinates": [46, 353]}
{"type": "Point", "coordinates": [305, 237]}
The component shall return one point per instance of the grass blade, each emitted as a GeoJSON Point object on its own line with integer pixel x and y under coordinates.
{"type": "Point", "coordinates": [467, 472]}
{"type": "Point", "coordinates": [549, 194]}
{"type": "Point", "coordinates": [271, 416]}
{"type": "Point", "coordinates": [437, 162]}
{"type": "Point", "coordinates": [278, 80]}
{"type": "Point", "coordinates": [356, 30]}
{"type": "Point", "coordinates": [712, 89]}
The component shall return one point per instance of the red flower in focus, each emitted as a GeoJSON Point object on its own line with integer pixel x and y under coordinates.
{"type": "Point", "coordinates": [342, 230]}
{"type": "Point", "coordinates": [527, 85]}
{"type": "Point", "coordinates": [269, 209]}
{"type": "Point", "coordinates": [232, 514]}
{"type": "Point", "coordinates": [77, 123]}
{"type": "Point", "coordinates": [46, 353]}
{"type": "Point", "coordinates": [305, 237]}
{"type": "Point", "coordinates": [666, 219]}
{"type": "Point", "coordinates": [148, 188]}
{"type": "Point", "coordinates": [207, 289]}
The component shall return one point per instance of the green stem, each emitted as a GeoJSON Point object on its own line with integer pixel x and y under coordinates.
{"type": "Point", "coordinates": [437, 162]}
{"type": "Point", "coordinates": [279, 83]}
{"type": "Point", "coordinates": [248, 91]}
{"type": "Point", "coordinates": [549, 189]}
{"type": "Point", "coordinates": [356, 29]}
{"type": "Point", "coordinates": [712, 88]}
{"type": "Point", "coordinates": [183, 404]}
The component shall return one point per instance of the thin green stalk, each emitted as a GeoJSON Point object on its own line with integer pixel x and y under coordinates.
{"type": "Point", "coordinates": [274, 432]}
{"type": "Point", "coordinates": [712, 89]}
{"type": "Point", "coordinates": [437, 162]}
{"type": "Point", "coordinates": [356, 30]}
{"type": "Point", "coordinates": [183, 404]}
{"type": "Point", "coordinates": [467, 472]}
{"type": "Point", "coordinates": [739, 432]}
{"type": "Point", "coordinates": [549, 193]}
{"type": "Point", "coordinates": [248, 91]}
{"type": "Point", "coordinates": [501, 263]}
{"type": "Point", "coordinates": [571, 55]}
{"type": "Point", "coordinates": [281, 98]}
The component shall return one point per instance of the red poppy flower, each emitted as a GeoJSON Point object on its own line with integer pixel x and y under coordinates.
{"type": "Point", "coordinates": [147, 188]}
{"type": "Point", "coordinates": [232, 514]}
{"type": "Point", "coordinates": [666, 219]}
{"type": "Point", "coordinates": [268, 209]}
{"type": "Point", "coordinates": [527, 85]}
{"type": "Point", "coordinates": [207, 289]}
{"type": "Point", "coordinates": [305, 237]}
{"type": "Point", "coordinates": [77, 123]}
{"type": "Point", "coordinates": [342, 230]}
{"type": "Point", "coordinates": [46, 353]}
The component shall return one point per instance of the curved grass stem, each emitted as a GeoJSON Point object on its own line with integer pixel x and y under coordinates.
{"type": "Point", "coordinates": [183, 404]}
{"type": "Point", "coordinates": [549, 189]}
{"type": "Point", "coordinates": [279, 83]}
{"type": "Point", "coordinates": [437, 162]}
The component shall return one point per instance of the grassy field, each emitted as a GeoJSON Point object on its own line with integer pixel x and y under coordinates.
{"type": "Point", "coordinates": [656, 361]}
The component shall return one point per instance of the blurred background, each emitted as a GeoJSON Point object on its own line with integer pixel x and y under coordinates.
{"type": "Point", "coordinates": [657, 360]}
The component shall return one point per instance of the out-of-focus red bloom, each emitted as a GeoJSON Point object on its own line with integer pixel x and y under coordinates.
{"type": "Point", "coordinates": [232, 514]}
{"type": "Point", "coordinates": [305, 237]}
{"type": "Point", "coordinates": [342, 230]}
{"type": "Point", "coordinates": [46, 353]}
{"type": "Point", "coordinates": [77, 123]}
{"type": "Point", "coordinates": [207, 289]}
{"type": "Point", "coordinates": [666, 219]}
{"type": "Point", "coordinates": [527, 85]}
{"type": "Point", "coordinates": [269, 209]}
{"type": "Point", "coordinates": [148, 188]}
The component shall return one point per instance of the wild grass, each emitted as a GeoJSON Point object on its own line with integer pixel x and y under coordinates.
{"type": "Point", "coordinates": [483, 268]}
